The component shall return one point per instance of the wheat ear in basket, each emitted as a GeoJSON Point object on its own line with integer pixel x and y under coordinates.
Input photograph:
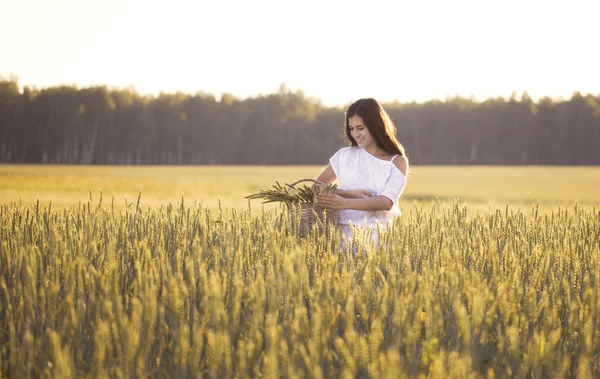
{"type": "Point", "coordinates": [307, 214]}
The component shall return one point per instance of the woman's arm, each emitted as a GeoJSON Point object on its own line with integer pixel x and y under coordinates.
{"type": "Point", "coordinates": [353, 194]}
{"type": "Point", "coordinates": [327, 175]}
{"type": "Point", "coordinates": [376, 203]}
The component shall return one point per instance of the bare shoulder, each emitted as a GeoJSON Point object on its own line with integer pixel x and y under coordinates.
{"type": "Point", "coordinates": [402, 163]}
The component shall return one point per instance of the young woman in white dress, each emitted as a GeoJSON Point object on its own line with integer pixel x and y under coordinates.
{"type": "Point", "coordinates": [371, 173]}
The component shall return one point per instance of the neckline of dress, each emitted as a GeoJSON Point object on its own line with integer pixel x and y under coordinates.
{"type": "Point", "coordinates": [379, 159]}
{"type": "Point", "coordinates": [384, 161]}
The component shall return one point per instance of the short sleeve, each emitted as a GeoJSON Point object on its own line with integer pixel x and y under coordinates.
{"type": "Point", "coordinates": [394, 185]}
{"type": "Point", "coordinates": [336, 161]}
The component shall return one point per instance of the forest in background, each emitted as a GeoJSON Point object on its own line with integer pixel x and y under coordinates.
{"type": "Point", "coordinates": [101, 125]}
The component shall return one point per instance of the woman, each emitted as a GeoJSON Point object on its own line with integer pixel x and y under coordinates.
{"type": "Point", "coordinates": [371, 173]}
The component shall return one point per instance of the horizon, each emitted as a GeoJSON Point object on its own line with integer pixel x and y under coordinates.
{"type": "Point", "coordinates": [429, 51]}
{"type": "Point", "coordinates": [218, 97]}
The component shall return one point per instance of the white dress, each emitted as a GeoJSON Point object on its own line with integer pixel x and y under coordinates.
{"type": "Point", "coordinates": [357, 169]}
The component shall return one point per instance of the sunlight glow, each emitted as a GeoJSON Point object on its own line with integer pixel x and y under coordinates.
{"type": "Point", "coordinates": [336, 51]}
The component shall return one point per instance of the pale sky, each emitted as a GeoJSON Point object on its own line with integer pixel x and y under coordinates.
{"type": "Point", "coordinates": [336, 51]}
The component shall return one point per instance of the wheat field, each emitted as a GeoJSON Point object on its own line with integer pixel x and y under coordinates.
{"type": "Point", "coordinates": [479, 187]}
{"type": "Point", "coordinates": [169, 272]}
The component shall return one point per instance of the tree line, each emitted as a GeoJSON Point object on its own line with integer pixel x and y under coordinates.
{"type": "Point", "coordinates": [99, 125]}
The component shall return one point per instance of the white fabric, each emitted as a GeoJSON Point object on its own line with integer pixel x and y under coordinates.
{"type": "Point", "coordinates": [357, 169]}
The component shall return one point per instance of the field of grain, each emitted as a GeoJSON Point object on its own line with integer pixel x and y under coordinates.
{"type": "Point", "coordinates": [480, 187]}
{"type": "Point", "coordinates": [498, 277]}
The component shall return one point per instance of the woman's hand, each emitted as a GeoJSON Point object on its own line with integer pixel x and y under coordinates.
{"type": "Point", "coordinates": [333, 201]}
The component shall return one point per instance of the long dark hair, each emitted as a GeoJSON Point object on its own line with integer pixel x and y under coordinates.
{"type": "Point", "coordinates": [378, 122]}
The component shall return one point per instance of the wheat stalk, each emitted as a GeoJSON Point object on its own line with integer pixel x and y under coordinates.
{"type": "Point", "coordinates": [291, 195]}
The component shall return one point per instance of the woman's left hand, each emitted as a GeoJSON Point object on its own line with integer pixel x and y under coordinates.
{"type": "Point", "coordinates": [330, 200]}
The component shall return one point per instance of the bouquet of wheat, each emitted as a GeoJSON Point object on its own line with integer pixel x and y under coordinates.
{"type": "Point", "coordinates": [302, 206]}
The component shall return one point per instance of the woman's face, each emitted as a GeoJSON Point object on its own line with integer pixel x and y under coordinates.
{"type": "Point", "coordinates": [360, 132]}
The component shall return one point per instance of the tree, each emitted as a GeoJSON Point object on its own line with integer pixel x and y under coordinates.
{"type": "Point", "coordinates": [95, 125]}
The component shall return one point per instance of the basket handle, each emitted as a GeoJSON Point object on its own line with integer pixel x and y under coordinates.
{"type": "Point", "coordinates": [305, 180]}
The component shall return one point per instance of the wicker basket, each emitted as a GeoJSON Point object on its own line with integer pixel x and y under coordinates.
{"type": "Point", "coordinates": [305, 215]}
